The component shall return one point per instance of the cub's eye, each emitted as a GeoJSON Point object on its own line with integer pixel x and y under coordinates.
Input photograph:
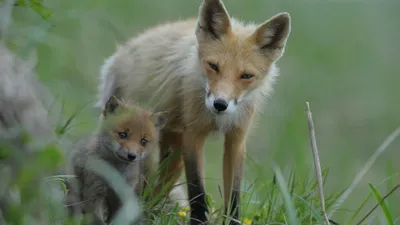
{"type": "Point", "coordinates": [123, 135]}
{"type": "Point", "coordinates": [143, 142]}
{"type": "Point", "coordinates": [213, 66]}
{"type": "Point", "coordinates": [246, 76]}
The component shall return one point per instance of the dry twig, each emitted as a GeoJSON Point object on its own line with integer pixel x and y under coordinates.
{"type": "Point", "coordinates": [316, 162]}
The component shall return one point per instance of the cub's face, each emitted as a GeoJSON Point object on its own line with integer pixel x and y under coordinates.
{"type": "Point", "coordinates": [134, 131]}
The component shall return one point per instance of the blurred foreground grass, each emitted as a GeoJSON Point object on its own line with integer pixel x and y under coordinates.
{"type": "Point", "coordinates": [342, 57]}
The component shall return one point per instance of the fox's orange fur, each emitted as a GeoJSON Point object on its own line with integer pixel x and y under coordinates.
{"type": "Point", "coordinates": [210, 74]}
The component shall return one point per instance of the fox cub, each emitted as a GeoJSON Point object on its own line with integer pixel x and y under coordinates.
{"type": "Point", "coordinates": [127, 136]}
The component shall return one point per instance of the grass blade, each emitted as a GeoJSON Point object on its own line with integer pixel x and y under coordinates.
{"type": "Point", "coordinates": [382, 148]}
{"type": "Point", "coordinates": [359, 208]}
{"type": "Point", "coordinates": [382, 204]}
{"type": "Point", "coordinates": [291, 211]}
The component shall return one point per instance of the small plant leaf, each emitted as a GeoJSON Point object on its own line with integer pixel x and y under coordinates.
{"type": "Point", "coordinates": [37, 6]}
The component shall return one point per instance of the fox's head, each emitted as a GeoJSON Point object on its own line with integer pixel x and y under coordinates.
{"type": "Point", "coordinates": [237, 59]}
{"type": "Point", "coordinates": [134, 131]}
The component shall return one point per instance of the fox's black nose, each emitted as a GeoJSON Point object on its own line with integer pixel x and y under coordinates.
{"type": "Point", "coordinates": [220, 105]}
{"type": "Point", "coordinates": [131, 156]}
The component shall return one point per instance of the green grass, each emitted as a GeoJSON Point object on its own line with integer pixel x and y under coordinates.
{"type": "Point", "coordinates": [283, 199]}
{"type": "Point", "coordinates": [342, 57]}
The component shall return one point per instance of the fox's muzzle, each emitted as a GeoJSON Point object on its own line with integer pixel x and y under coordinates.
{"type": "Point", "coordinates": [220, 105]}
{"type": "Point", "coordinates": [126, 155]}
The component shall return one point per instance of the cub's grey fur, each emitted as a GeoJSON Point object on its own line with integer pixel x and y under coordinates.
{"type": "Point", "coordinates": [91, 192]}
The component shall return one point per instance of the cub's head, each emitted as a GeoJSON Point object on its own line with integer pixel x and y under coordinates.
{"type": "Point", "coordinates": [237, 59]}
{"type": "Point", "coordinates": [134, 131]}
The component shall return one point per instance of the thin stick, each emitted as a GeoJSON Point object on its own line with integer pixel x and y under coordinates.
{"type": "Point", "coordinates": [317, 165]}
{"type": "Point", "coordinates": [365, 169]}
{"type": "Point", "coordinates": [377, 204]}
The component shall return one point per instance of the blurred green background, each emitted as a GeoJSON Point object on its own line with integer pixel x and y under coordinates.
{"type": "Point", "coordinates": [342, 56]}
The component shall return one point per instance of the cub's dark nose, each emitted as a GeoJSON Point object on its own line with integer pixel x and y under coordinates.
{"type": "Point", "coordinates": [131, 156]}
{"type": "Point", "coordinates": [220, 105]}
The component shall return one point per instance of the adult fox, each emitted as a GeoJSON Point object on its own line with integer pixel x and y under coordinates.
{"type": "Point", "coordinates": [209, 74]}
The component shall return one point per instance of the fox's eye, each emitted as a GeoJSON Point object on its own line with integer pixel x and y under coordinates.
{"type": "Point", "coordinates": [213, 66]}
{"type": "Point", "coordinates": [123, 135]}
{"type": "Point", "coordinates": [246, 76]}
{"type": "Point", "coordinates": [143, 142]}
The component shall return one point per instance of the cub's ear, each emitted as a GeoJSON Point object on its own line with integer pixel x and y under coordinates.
{"type": "Point", "coordinates": [272, 35]}
{"type": "Point", "coordinates": [213, 20]}
{"type": "Point", "coordinates": [159, 119]}
{"type": "Point", "coordinates": [112, 105]}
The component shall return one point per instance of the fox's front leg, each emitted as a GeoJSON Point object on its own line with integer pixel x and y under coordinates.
{"type": "Point", "coordinates": [193, 158]}
{"type": "Point", "coordinates": [233, 165]}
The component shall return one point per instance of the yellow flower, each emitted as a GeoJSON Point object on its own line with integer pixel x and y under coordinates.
{"type": "Point", "coordinates": [182, 214]}
{"type": "Point", "coordinates": [185, 208]}
{"type": "Point", "coordinates": [247, 221]}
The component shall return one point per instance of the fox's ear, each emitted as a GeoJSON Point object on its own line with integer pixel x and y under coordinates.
{"type": "Point", "coordinates": [272, 35]}
{"type": "Point", "coordinates": [112, 105]}
{"type": "Point", "coordinates": [213, 20]}
{"type": "Point", "coordinates": [159, 119]}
